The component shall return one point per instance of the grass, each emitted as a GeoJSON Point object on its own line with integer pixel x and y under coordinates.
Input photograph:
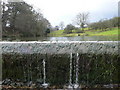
{"type": "Point", "coordinates": [58, 33]}
{"type": "Point", "coordinates": [87, 32]}
{"type": "Point", "coordinates": [112, 32]}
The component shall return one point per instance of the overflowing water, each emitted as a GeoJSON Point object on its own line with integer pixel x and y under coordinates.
{"type": "Point", "coordinates": [26, 66]}
{"type": "Point", "coordinates": [45, 85]}
{"type": "Point", "coordinates": [70, 77]}
{"type": "Point", "coordinates": [76, 70]}
{"type": "Point", "coordinates": [72, 70]}
{"type": "Point", "coordinates": [76, 85]}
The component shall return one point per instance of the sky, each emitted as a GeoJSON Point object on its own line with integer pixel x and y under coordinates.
{"type": "Point", "coordinates": [57, 11]}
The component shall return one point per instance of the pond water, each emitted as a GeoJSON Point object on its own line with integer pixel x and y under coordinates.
{"type": "Point", "coordinates": [78, 38]}
{"type": "Point", "coordinates": [84, 38]}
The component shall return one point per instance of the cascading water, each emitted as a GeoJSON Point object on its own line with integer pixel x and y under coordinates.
{"type": "Point", "coordinates": [94, 70]}
{"type": "Point", "coordinates": [76, 85]}
{"type": "Point", "coordinates": [45, 85]}
{"type": "Point", "coordinates": [70, 77]}
{"type": "Point", "coordinates": [76, 69]}
{"type": "Point", "coordinates": [44, 71]}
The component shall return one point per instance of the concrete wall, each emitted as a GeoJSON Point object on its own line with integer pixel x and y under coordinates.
{"type": "Point", "coordinates": [97, 47]}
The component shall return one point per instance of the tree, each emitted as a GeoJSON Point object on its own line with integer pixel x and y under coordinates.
{"type": "Point", "coordinates": [82, 19]}
{"type": "Point", "coordinates": [21, 18]}
{"type": "Point", "coordinates": [61, 25]}
{"type": "Point", "coordinates": [116, 21]}
{"type": "Point", "coordinates": [105, 24]}
{"type": "Point", "coordinates": [0, 24]}
{"type": "Point", "coordinates": [68, 29]}
{"type": "Point", "coordinates": [47, 31]}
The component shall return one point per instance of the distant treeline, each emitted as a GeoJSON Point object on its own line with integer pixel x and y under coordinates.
{"type": "Point", "coordinates": [20, 19]}
{"type": "Point", "coordinates": [105, 24]}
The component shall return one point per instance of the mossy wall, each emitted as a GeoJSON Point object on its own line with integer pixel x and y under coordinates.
{"type": "Point", "coordinates": [98, 62]}
{"type": "Point", "coordinates": [93, 69]}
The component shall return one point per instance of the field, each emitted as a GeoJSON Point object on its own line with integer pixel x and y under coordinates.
{"type": "Point", "coordinates": [87, 32]}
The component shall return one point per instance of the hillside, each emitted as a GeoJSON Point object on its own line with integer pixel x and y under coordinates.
{"type": "Point", "coordinates": [87, 32]}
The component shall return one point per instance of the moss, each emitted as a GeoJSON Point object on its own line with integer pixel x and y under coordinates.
{"type": "Point", "coordinates": [93, 69]}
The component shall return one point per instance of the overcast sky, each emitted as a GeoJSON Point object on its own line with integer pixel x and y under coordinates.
{"type": "Point", "coordinates": [66, 10]}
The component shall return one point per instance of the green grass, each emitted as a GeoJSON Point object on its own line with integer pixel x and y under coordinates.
{"type": "Point", "coordinates": [57, 32]}
{"type": "Point", "coordinates": [112, 32]}
{"type": "Point", "coordinates": [60, 33]}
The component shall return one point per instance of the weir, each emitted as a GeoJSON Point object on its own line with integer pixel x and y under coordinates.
{"type": "Point", "coordinates": [60, 47]}
{"type": "Point", "coordinates": [74, 64]}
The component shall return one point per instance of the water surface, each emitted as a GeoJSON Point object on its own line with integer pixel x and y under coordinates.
{"type": "Point", "coordinates": [77, 38]}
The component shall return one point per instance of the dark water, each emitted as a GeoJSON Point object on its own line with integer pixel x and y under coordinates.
{"type": "Point", "coordinates": [78, 38]}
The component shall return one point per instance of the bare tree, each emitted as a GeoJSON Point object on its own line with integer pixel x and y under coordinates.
{"type": "Point", "coordinates": [82, 19]}
{"type": "Point", "coordinates": [61, 25]}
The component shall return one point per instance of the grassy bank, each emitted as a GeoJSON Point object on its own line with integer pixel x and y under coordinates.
{"type": "Point", "coordinates": [87, 32]}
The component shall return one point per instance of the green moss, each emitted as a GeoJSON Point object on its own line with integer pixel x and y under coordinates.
{"type": "Point", "coordinates": [93, 69]}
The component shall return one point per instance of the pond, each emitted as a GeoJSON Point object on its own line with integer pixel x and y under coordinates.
{"type": "Point", "coordinates": [77, 38]}
{"type": "Point", "coordinates": [84, 38]}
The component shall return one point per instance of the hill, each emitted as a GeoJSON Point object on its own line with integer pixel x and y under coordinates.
{"type": "Point", "coordinates": [87, 32]}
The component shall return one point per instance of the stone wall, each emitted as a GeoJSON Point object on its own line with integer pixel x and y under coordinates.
{"type": "Point", "coordinates": [97, 47]}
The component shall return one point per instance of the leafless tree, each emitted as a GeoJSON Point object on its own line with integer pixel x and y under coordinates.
{"type": "Point", "coordinates": [82, 19]}
{"type": "Point", "coordinates": [61, 25]}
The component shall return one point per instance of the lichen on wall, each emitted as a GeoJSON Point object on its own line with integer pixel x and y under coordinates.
{"type": "Point", "coordinates": [96, 47]}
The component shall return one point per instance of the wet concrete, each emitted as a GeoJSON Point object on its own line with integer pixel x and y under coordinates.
{"type": "Point", "coordinates": [60, 47]}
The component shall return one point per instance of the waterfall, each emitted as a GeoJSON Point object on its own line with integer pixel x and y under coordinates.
{"type": "Point", "coordinates": [70, 81]}
{"type": "Point", "coordinates": [70, 77]}
{"type": "Point", "coordinates": [77, 69]}
{"type": "Point", "coordinates": [44, 74]}
{"type": "Point", "coordinates": [76, 85]}
{"type": "Point", "coordinates": [45, 85]}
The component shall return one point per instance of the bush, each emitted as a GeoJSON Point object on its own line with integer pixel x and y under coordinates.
{"type": "Point", "coordinates": [69, 28]}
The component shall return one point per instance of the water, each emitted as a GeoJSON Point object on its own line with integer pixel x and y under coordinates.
{"type": "Point", "coordinates": [75, 69]}
{"type": "Point", "coordinates": [44, 74]}
{"type": "Point", "coordinates": [70, 77]}
{"type": "Point", "coordinates": [84, 38]}
{"type": "Point", "coordinates": [45, 85]}
{"type": "Point", "coordinates": [77, 38]}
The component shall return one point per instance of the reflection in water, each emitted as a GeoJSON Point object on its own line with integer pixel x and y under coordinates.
{"type": "Point", "coordinates": [83, 38]}
{"type": "Point", "coordinates": [77, 38]}
{"type": "Point", "coordinates": [58, 39]}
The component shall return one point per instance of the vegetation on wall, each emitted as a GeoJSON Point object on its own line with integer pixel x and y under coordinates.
{"type": "Point", "coordinates": [93, 69]}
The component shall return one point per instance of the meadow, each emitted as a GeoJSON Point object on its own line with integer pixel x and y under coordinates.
{"type": "Point", "coordinates": [87, 32]}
